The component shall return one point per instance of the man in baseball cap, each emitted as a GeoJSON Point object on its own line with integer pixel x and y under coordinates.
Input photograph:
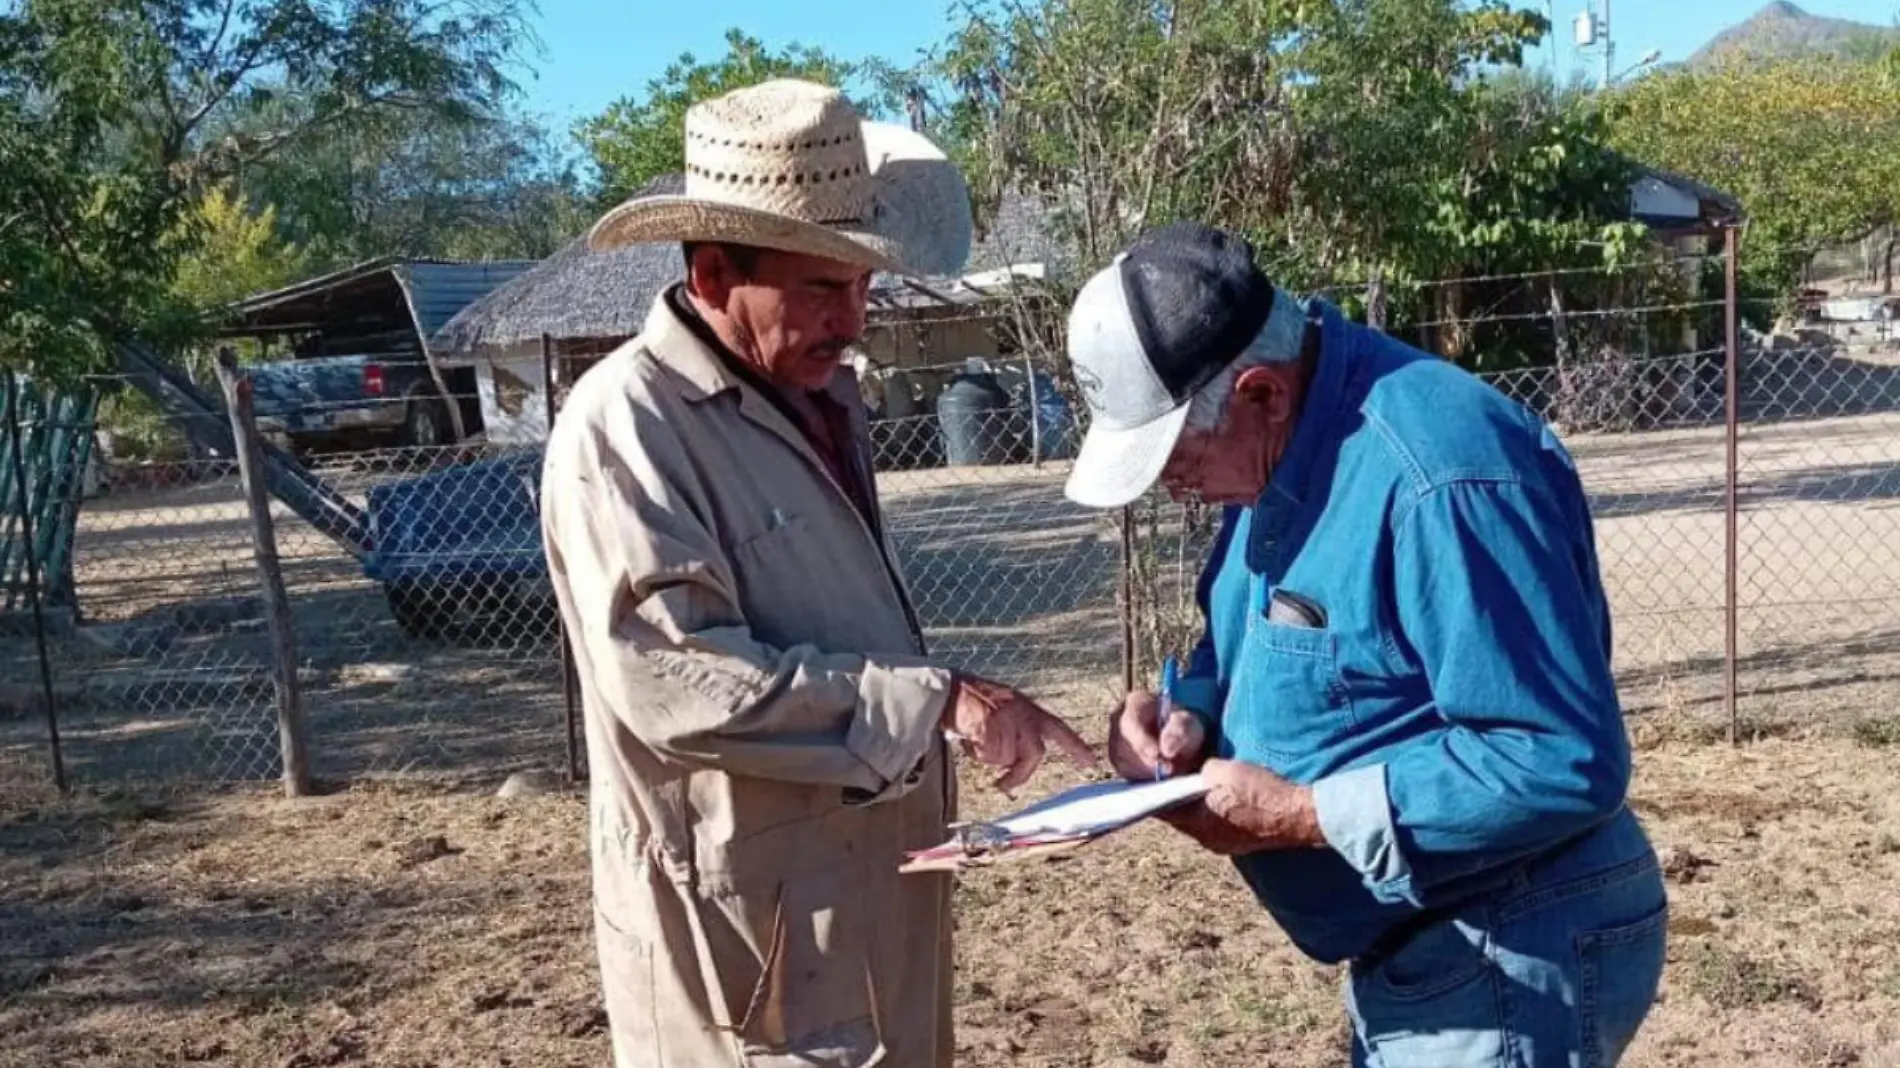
{"type": "Point", "coordinates": [1402, 698]}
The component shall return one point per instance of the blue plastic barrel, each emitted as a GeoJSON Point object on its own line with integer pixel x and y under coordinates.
{"type": "Point", "coordinates": [1055, 420]}
{"type": "Point", "coordinates": [974, 413]}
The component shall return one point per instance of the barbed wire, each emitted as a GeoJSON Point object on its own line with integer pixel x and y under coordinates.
{"type": "Point", "coordinates": [1525, 276]}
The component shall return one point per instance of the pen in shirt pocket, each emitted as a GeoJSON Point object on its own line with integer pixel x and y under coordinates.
{"type": "Point", "coordinates": [1170, 675]}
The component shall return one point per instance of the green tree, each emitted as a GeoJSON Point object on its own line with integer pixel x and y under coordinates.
{"type": "Point", "coordinates": [116, 114]}
{"type": "Point", "coordinates": [637, 139]}
{"type": "Point", "coordinates": [1355, 141]}
{"type": "Point", "coordinates": [237, 253]}
{"type": "Point", "coordinates": [1534, 189]}
{"type": "Point", "coordinates": [1124, 113]}
{"type": "Point", "coordinates": [415, 184]}
{"type": "Point", "coordinates": [86, 237]}
{"type": "Point", "coordinates": [1810, 147]}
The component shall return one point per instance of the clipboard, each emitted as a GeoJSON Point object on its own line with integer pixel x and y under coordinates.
{"type": "Point", "coordinates": [1056, 825]}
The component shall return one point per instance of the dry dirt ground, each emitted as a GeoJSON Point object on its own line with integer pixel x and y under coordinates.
{"type": "Point", "coordinates": [396, 926]}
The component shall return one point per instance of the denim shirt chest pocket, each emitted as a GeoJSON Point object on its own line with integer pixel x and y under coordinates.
{"type": "Point", "coordinates": [1287, 703]}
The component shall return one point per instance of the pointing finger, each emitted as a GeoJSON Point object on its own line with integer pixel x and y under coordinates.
{"type": "Point", "coordinates": [1051, 728]}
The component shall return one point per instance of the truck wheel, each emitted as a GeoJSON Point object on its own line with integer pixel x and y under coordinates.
{"type": "Point", "coordinates": [425, 612]}
{"type": "Point", "coordinates": [426, 423]}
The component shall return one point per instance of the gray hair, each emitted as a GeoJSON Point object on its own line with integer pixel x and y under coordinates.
{"type": "Point", "coordinates": [1279, 341]}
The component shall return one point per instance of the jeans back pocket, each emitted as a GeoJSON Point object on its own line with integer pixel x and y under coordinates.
{"type": "Point", "coordinates": [1620, 969]}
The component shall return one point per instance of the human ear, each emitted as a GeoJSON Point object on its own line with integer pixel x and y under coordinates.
{"type": "Point", "coordinates": [1268, 391]}
{"type": "Point", "coordinates": [710, 276]}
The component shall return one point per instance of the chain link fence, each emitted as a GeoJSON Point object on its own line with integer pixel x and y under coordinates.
{"type": "Point", "coordinates": [1012, 580]}
{"type": "Point", "coordinates": [1819, 531]}
{"type": "Point", "coordinates": [159, 662]}
{"type": "Point", "coordinates": [438, 652]}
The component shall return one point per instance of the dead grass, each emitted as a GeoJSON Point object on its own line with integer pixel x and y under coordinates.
{"type": "Point", "coordinates": [1877, 731]}
{"type": "Point", "coordinates": [244, 930]}
{"type": "Point", "coordinates": [247, 930]}
{"type": "Point", "coordinates": [1732, 981]}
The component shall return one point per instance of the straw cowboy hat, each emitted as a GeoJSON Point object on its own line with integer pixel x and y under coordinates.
{"type": "Point", "coordinates": [790, 165]}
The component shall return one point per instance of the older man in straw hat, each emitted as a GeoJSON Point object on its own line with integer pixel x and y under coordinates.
{"type": "Point", "coordinates": [765, 731]}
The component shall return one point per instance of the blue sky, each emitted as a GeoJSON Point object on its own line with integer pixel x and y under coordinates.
{"type": "Point", "coordinates": [594, 51]}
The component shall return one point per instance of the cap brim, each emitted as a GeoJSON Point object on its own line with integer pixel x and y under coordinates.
{"type": "Point", "coordinates": [1116, 465]}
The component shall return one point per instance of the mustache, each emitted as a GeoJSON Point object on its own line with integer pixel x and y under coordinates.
{"type": "Point", "coordinates": [833, 348]}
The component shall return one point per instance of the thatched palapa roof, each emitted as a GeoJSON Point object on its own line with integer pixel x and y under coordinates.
{"type": "Point", "coordinates": [580, 295]}
{"type": "Point", "coordinates": [576, 294]}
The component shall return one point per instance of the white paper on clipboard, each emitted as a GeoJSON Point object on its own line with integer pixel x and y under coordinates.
{"type": "Point", "coordinates": [1099, 807]}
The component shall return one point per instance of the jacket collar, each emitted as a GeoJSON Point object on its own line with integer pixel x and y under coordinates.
{"type": "Point", "coordinates": [1318, 421]}
{"type": "Point", "coordinates": [1315, 436]}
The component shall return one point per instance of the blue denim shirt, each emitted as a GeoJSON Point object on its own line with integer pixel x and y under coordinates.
{"type": "Point", "coordinates": [1454, 710]}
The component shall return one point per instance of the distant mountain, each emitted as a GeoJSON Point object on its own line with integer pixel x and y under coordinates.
{"type": "Point", "coordinates": [1783, 31]}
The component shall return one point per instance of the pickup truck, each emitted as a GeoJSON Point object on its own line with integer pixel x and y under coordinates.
{"type": "Point", "coordinates": [458, 552]}
{"type": "Point", "coordinates": [331, 403]}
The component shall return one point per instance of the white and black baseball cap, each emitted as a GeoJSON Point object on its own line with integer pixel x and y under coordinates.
{"type": "Point", "coordinates": [1146, 334]}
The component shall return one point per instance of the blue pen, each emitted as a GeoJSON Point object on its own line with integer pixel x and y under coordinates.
{"type": "Point", "coordinates": [1170, 674]}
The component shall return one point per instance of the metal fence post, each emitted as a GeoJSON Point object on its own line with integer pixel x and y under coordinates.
{"type": "Point", "coordinates": [1128, 598]}
{"type": "Point", "coordinates": [17, 446]}
{"type": "Point", "coordinates": [1035, 411]}
{"type": "Point", "coordinates": [568, 680]}
{"type": "Point", "coordinates": [290, 721]}
{"type": "Point", "coordinates": [1732, 402]}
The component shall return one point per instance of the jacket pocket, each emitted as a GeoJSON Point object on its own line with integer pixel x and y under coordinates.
{"type": "Point", "coordinates": [815, 1002]}
{"type": "Point", "coordinates": [1286, 699]}
{"type": "Point", "coordinates": [627, 989]}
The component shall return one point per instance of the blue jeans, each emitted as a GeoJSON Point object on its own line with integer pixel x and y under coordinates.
{"type": "Point", "coordinates": [1553, 972]}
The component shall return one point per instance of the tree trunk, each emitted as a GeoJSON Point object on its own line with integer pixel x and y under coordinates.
{"type": "Point", "coordinates": [1886, 268]}
{"type": "Point", "coordinates": [1375, 300]}
{"type": "Point", "coordinates": [1453, 339]}
{"type": "Point", "coordinates": [1566, 398]}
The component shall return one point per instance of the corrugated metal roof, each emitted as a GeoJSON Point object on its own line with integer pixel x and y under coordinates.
{"type": "Point", "coordinates": [258, 302]}
{"type": "Point", "coordinates": [437, 291]}
{"type": "Point", "coordinates": [433, 291]}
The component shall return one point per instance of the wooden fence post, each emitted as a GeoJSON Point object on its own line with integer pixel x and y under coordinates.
{"type": "Point", "coordinates": [1129, 665]}
{"type": "Point", "coordinates": [570, 684]}
{"type": "Point", "coordinates": [290, 723]}
{"type": "Point", "coordinates": [1732, 418]}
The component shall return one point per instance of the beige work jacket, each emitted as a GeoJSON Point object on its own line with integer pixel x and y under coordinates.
{"type": "Point", "coordinates": [763, 734]}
